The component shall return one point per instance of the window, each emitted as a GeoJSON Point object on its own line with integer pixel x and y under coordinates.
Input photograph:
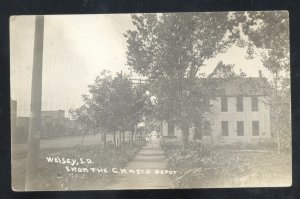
{"type": "Point", "coordinates": [207, 128]}
{"type": "Point", "coordinates": [254, 103]}
{"type": "Point", "coordinates": [239, 104]}
{"type": "Point", "coordinates": [255, 128]}
{"type": "Point", "coordinates": [224, 104]}
{"type": "Point", "coordinates": [240, 128]}
{"type": "Point", "coordinates": [224, 125]}
{"type": "Point", "coordinates": [171, 128]}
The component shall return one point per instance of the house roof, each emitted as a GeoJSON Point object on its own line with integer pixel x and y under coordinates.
{"type": "Point", "coordinates": [247, 86]}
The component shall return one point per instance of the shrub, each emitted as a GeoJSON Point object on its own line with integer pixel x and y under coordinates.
{"type": "Point", "coordinates": [202, 169]}
{"type": "Point", "coordinates": [207, 172]}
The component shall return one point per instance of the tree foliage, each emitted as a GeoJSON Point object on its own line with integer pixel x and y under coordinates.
{"type": "Point", "coordinates": [175, 45]}
{"type": "Point", "coordinates": [170, 49]}
{"type": "Point", "coordinates": [266, 31]}
{"type": "Point", "coordinates": [269, 33]}
{"type": "Point", "coordinates": [225, 71]}
{"type": "Point", "coordinates": [113, 105]}
{"type": "Point", "coordinates": [83, 117]}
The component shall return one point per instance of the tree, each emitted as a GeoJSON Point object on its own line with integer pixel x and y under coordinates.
{"type": "Point", "coordinates": [170, 49]}
{"type": "Point", "coordinates": [140, 107]}
{"type": "Point", "coordinates": [83, 117]}
{"type": "Point", "coordinates": [266, 34]}
{"type": "Point", "coordinates": [114, 105]}
{"type": "Point", "coordinates": [282, 116]}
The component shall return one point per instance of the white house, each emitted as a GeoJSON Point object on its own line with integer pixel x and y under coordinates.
{"type": "Point", "coordinates": [240, 112]}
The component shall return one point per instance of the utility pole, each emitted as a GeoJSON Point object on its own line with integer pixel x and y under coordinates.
{"type": "Point", "coordinates": [33, 147]}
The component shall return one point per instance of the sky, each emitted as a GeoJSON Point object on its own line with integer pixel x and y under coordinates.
{"type": "Point", "coordinates": [76, 49]}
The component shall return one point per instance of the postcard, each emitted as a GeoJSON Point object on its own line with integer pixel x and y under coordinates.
{"type": "Point", "coordinates": [150, 101]}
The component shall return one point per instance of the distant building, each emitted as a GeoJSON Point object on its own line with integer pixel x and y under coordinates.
{"type": "Point", "coordinates": [22, 128]}
{"type": "Point", "coordinates": [53, 123]}
{"type": "Point", "coordinates": [72, 127]}
{"type": "Point", "coordinates": [13, 118]}
{"type": "Point", "coordinates": [241, 112]}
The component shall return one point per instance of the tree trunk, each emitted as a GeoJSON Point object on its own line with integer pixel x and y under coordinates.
{"type": "Point", "coordinates": [123, 134]}
{"type": "Point", "coordinates": [185, 136]}
{"type": "Point", "coordinates": [276, 117]}
{"type": "Point", "coordinates": [211, 139]}
{"type": "Point", "coordinates": [123, 143]}
{"type": "Point", "coordinates": [161, 132]}
{"type": "Point", "coordinates": [104, 140]}
{"type": "Point", "coordinates": [115, 143]}
{"type": "Point", "coordinates": [135, 133]}
{"type": "Point", "coordinates": [84, 132]}
{"type": "Point", "coordinates": [131, 139]}
{"type": "Point", "coordinates": [136, 136]}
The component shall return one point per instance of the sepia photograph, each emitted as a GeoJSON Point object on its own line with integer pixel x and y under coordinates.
{"type": "Point", "coordinates": [150, 101]}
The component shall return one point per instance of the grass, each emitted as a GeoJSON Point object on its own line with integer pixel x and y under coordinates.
{"type": "Point", "coordinates": [54, 176]}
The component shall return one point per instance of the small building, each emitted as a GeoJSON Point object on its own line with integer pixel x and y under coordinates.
{"type": "Point", "coordinates": [53, 123]}
{"type": "Point", "coordinates": [240, 112]}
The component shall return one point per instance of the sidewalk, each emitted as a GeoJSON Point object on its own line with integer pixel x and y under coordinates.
{"type": "Point", "coordinates": [151, 157]}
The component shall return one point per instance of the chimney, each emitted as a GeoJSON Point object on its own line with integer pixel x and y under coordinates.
{"type": "Point", "coordinates": [259, 73]}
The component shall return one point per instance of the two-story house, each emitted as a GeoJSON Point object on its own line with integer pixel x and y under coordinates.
{"type": "Point", "coordinates": [241, 112]}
